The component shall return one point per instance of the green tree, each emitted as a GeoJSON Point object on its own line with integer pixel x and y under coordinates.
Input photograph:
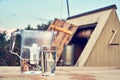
{"type": "Point", "coordinates": [6, 58]}
{"type": "Point", "coordinates": [44, 26]}
{"type": "Point", "coordinates": [29, 27]}
{"type": "Point", "coordinates": [2, 49]}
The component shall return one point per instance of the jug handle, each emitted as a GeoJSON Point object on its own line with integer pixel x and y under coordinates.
{"type": "Point", "coordinates": [12, 42]}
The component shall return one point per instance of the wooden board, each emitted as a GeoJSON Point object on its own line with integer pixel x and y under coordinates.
{"type": "Point", "coordinates": [64, 73]}
{"type": "Point", "coordinates": [65, 32]}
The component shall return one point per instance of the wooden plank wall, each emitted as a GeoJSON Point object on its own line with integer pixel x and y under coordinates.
{"type": "Point", "coordinates": [104, 54]}
{"type": "Point", "coordinates": [97, 51]}
{"type": "Point", "coordinates": [65, 32]}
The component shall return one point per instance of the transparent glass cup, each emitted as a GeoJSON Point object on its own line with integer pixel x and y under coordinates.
{"type": "Point", "coordinates": [48, 60]}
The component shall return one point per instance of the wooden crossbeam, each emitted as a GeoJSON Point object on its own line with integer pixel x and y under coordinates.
{"type": "Point", "coordinates": [62, 29]}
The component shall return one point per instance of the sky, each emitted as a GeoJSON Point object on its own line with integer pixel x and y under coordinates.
{"type": "Point", "coordinates": [16, 14]}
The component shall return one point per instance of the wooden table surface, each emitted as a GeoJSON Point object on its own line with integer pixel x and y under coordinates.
{"type": "Point", "coordinates": [64, 73]}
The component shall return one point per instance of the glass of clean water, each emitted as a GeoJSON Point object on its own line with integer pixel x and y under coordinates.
{"type": "Point", "coordinates": [48, 60]}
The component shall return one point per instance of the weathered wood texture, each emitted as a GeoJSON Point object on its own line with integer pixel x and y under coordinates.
{"type": "Point", "coordinates": [98, 51]}
{"type": "Point", "coordinates": [65, 32]}
{"type": "Point", "coordinates": [64, 73]}
{"type": "Point", "coordinates": [104, 53]}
